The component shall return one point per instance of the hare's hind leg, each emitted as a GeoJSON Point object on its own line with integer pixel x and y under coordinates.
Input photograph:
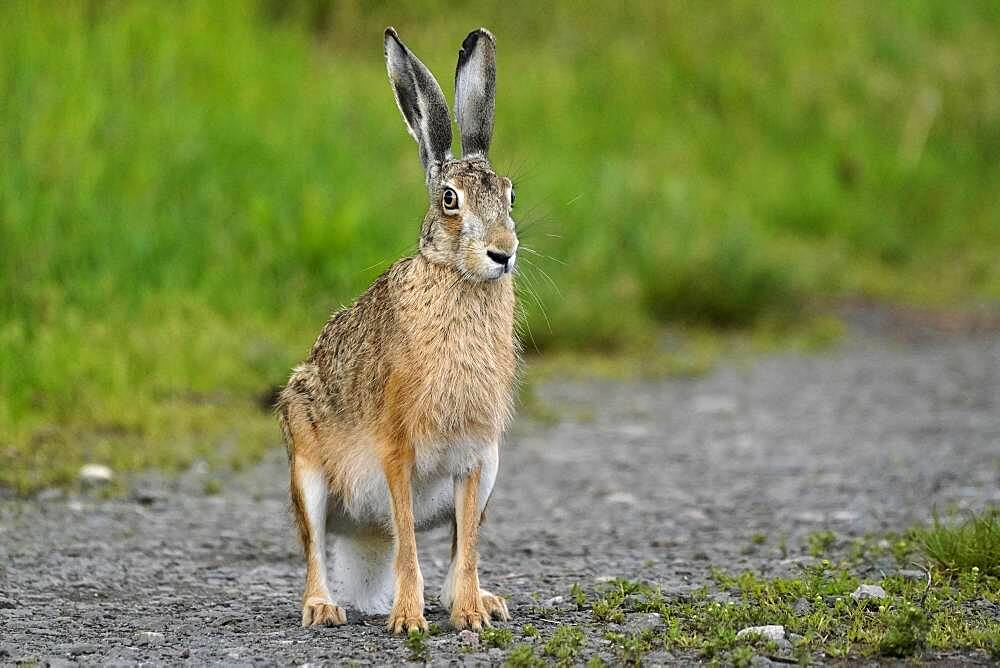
{"type": "Point", "coordinates": [310, 490]}
{"type": "Point", "coordinates": [471, 606]}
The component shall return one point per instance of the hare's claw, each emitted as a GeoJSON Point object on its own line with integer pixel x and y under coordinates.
{"type": "Point", "coordinates": [495, 605]}
{"type": "Point", "coordinates": [401, 622]}
{"type": "Point", "coordinates": [479, 611]}
{"type": "Point", "coordinates": [322, 612]}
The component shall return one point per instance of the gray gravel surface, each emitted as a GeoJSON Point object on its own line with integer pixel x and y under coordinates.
{"type": "Point", "coordinates": [658, 481]}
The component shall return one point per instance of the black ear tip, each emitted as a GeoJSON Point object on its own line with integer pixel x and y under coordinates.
{"type": "Point", "coordinates": [390, 33]}
{"type": "Point", "coordinates": [470, 41]}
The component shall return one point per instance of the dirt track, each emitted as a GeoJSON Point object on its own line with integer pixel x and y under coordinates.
{"type": "Point", "coordinates": [659, 481]}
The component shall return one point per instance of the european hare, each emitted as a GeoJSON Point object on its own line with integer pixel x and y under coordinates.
{"type": "Point", "coordinates": [392, 424]}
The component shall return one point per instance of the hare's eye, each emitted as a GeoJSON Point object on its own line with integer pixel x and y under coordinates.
{"type": "Point", "coordinates": [512, 197]}
{"type": "Point", "coordinates": [449, 200]}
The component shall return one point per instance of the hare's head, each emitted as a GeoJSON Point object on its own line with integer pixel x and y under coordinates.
{"type": "Point", "coordinates": [468, 224]}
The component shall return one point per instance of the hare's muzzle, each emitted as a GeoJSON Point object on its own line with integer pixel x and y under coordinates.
{"type": "Point", "coordinates": [505, 260]}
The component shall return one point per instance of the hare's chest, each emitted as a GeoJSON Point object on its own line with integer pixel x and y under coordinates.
{"type": "Point", "coordinates": [466, 392]}
{"type": "Point", "coordinates": [368, 503]}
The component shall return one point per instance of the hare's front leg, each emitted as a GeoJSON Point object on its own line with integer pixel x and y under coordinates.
{"type": "Point", "coordinates": [471, 606]}
{"type": "Point", "coordinates": [407, 612]}
{"type": "Point", "coordinates": [309, 495]}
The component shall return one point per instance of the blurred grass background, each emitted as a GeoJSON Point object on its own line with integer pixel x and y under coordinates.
{"type": "Point", "coordinates": [189, 188]}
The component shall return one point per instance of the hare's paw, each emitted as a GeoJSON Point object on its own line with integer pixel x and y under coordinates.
{"type": "Point", "coordinates": [322, 612]}
{"type": "Point", "coordinates": [476, 611]}
{"type": "Point", "coordinates": [469, 611]}
{"type": "Point", "coordinates": [407, 613]}
{"type": "Point", "coordinates": [401, 621]}
{"type": "Point", "coordinates": [496, 606]}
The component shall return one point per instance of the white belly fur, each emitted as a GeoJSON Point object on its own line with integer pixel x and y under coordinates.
{"type": "Point", "coordinates": [362, 545]}
{"type": "Point", "coordinates": [368, 509]}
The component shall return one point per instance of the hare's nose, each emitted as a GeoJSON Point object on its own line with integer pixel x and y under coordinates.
{"type": "Point", "coordinates": [501, 258]}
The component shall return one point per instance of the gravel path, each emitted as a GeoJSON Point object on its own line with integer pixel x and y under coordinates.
{"type": "Point", "coordinates": [657, 480]}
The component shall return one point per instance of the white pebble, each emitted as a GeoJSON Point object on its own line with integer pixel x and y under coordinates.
{"type": "Point", "coordinates": [149, 638]}
{"type": "Point", "coordinates": [773, 632]}
{"type": "Point", "coordinates": [95, 473]}
{"type": "Point", "coordinates": [865, 592]}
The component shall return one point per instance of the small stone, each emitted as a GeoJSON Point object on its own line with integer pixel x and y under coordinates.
{"type": "Point", "coordinates": [639, 622]}
{"type": "Point", "coordinates": [554, 601]}
{"type": "Point", "coordinates": [470, 638]}
{"type": "Point", "coordinates": [75, 506]}
{"type": "Point", "coordinates": [147, 496]}
{"type": "Point", "coordinates": [7, 604]}
{"type": "Point", "coordinates": [773, 632]}
{"type": "Point", "coordinates": [151, 638]}
{"type": "Point", "coordinates": [795, 638]}
{"type": "Point", "coordinates": [622, 498]}
{"type": "Point", "coordinates": [82, 648]}
{"type": "Point", "coordinates": [714, 404]}
{"type": "Point", "coordinates": [496, 653]}
{"type": "Point", "coordinates": [802, 607]}
{"type": "Point", "coordinates": [185, 653]}
{"type": "Point", "coordinates": [911, 574]}
{"type": "Point", "coordinates": [95, 474]}
{"type": "Point", "coordinates": [868, 592]}
{"type": "Point", "coordinates": [58, 662]}
{"type": "Point", "coordinates": [49, 494]}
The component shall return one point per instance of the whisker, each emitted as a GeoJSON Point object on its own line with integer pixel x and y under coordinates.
{"type": "Point", "coordinates": [546, 275]}
{"type": "Point", "coordinates": [543, 255]}
{"type": "Point", "coordinates": [538, 301]}
{"type": "Point", "coordinates": [405, 250]}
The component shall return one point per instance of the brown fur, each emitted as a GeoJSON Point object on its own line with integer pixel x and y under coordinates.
{"type": "Point", "coordinates": [424, 360]}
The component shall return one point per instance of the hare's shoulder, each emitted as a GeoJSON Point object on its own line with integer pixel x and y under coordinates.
{"type": "Point", "coordinates": [369, 318]}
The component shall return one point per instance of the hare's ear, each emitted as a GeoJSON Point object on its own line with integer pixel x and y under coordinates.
{"type": "Point", "coordinates": [475, 91]}
{"type": "Point", "coordinates": [420, 99]}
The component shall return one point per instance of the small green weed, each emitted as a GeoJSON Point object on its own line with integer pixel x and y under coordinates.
{"type": "Point", "coordinates": [608, 609]}
{"type": "Point", "coordinates": [529, 631]}
{"type": "Point", "coordinates": [496, 637]}
{"type": "Point", "coordinates": [742, 656]}
{"type": "Point", "coordinates": [632, 647]}
{"type": "Point", "coordinates": [972, 543]}
{"type": "Point", "coordinates": [907, 633]}
{"type": "Point", "coordinates": [523, 656]}
{"type": "Point", "coordinates": [416, 642]}
{"type": "Point", "coordinates": [820, 542]}
{"type": "Point", "coordinates": [565, 644]}
{"type": "Point", "coordinates": [211, 487]}
{"type": "Point", "coordinates": [579, 596]}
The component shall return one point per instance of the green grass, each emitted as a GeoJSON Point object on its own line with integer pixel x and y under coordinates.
{"type": "Point", "coordinates": [973, 543]}
{"type": "Point", "coordinates": [496, 637]}
{"type": "Point", "coordinates": [565, 644]}
{"type": "Point", "coordinates": [945, 613]}
{"type": "Point", "coordinates": [416, 643]}
{"type": "Point", "coordinates": [189, 188]}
